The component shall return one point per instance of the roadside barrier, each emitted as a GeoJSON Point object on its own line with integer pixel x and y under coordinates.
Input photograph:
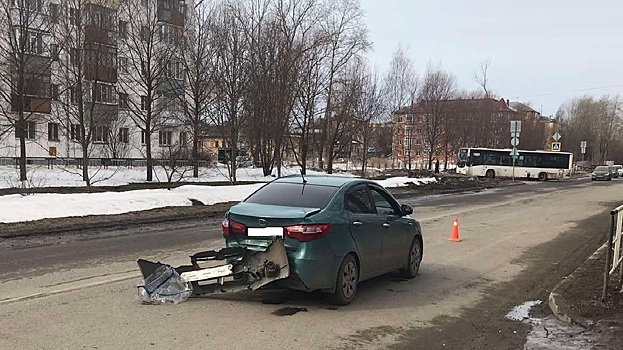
{"type": "Point", "coordinates": [614, 255]}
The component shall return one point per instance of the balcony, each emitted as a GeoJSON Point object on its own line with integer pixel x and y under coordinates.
{"type": "Point", "coordinates": [109, 4]}
{"type": "Point", "coordinates": [101, 73]}
{"type": "Point", "coordinates": [99, 35]}
{"type": "Point", "coordinates": [172, 15]}
{"type": "Point", "coordinates": [32, 104]}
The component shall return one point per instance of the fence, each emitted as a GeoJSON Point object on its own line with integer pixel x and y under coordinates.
{"type": "Point", "coordinates": [614, 255]}
{"type": "Point", "coordinates": [97, 162]}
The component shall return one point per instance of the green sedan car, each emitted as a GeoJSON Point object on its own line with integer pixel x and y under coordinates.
{"type": "Point", "coordinates": [337, 231]}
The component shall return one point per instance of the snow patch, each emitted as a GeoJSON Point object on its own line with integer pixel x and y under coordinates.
{"type": "Point", "coordinates": [522, 312]}
{"type": "Point", "coordinates": [405, 181]}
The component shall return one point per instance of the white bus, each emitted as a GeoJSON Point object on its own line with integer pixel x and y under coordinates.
{"type": "Point", "coordinates": [528, 164]}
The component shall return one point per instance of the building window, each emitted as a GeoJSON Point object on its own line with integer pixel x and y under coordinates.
{"type": "Point", "coordinates": [54, 13]}
{"type": "Point", "coordinates": [73, 16]}
{"type": "Point", "coordinates": [35, 42]}
{"type": "Point", "coordinates": [123, 29]}
{"type": "Point", "coordinates": [54, 52]}
{"type": "Point", "coordinates": [101, 134]}
{"type": "Point", "coordinates": [29, 130]}
{"type": "Point", "coordinates": [170, 34]}
{"type": "Point", "coordinates": [124, 103]}
{"type": "Point", "coordinates": [53, 132]}
{"type": "Point", "coordinates": [144, 103]}
{"type": "Point", "coordinates": [104, 93]}
{"type": "Point", "coordinates": [73, 56]}
{"type": "Point", "coordinates": [143, 137]}
{"type": "Point", "coordinates": [123, 65]}
{"type": "Point", "coordinates": [216, 144]}
{"type": "Point", "coordinates": [145, 33]}
{"type": "Point", "coordinates": [124, 135]}
{"type": "Point", "coordinates": [75, 133]}
{"type": "Point", "coordinates": [174, 70]}
{"type": "Point", "coordinates": [164, 138]}
{"type": "Point", "coordinates": [55, 92]}
{"type": "Point", "coordinates": [183, 139]}
{"type": "Point", "coordinates": [73, 94]}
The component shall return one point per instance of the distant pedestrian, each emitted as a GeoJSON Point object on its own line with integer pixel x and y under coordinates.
{"type": "Point", "coordinates": [437, 166]}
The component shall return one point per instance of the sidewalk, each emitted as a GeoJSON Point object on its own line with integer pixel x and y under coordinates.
{"type": "Point", "coordinates": [577, 300]}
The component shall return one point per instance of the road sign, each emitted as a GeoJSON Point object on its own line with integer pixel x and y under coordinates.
{"type": "Point", "coordinates": [514, 152]}
{"type": "Point", "coordinates": [515, 126]}
{"type": "Point", "coordinates": [583, 150]}
{"type": "Point", "coordinates": [556, 146]}
{"type": "Point", "coordinates": [514, 141]}
{"type": "Point", "coordinates": [556, 136]}
{"type": "Point", "coordinates": [583, 144]}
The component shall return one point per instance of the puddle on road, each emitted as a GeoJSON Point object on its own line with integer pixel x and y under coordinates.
{"type": "Point", "coordinates": [549, 333]}
{"type": "Point", "coordinates": [289, 311]}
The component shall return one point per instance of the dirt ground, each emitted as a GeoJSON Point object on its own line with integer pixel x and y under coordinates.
{"type": "Point", "coordinates": [484, 326]}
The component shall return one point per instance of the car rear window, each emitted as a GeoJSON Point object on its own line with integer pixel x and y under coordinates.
{"type": "Point", "coordinates": [293, 195]}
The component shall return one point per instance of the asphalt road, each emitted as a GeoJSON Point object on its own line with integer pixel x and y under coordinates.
{"type": "Point", "coordinates": [76, 291]}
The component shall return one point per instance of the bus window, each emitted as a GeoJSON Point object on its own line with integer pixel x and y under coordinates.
{"type": "Point", "coordinates": [477, 159]}
{"type": "Point", "coordinates": [462, 158]}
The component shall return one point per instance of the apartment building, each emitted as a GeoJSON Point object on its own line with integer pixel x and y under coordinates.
{"type": "Point", "coordinates": [83, 86]}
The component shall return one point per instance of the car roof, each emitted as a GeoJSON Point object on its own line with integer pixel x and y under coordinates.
{"type": "Point", "coordinates": [322, 180]}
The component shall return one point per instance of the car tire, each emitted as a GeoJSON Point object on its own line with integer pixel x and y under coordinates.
{"type": "Point", "coordinates": [346, 282]}
{"type": "Point", "coordinates": [413, 261]}
{"type": "Point", "coordinates": [542, 176]}
{"type": "Point", "coordinates": [490, 174]}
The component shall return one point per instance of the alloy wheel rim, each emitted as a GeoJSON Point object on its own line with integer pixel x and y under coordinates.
{"type": "Point", "coordinates": [415, 258]}
{"type": "Point", "coordinates": [349, 279]}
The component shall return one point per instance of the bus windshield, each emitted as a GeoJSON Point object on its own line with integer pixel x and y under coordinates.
{"type": "Point", "coordinates": [462, 158]}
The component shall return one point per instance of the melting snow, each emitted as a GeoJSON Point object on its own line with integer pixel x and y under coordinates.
{"type": "Point", "coordinates": [522, 312]}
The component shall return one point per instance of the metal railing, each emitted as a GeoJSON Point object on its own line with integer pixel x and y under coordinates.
{"type": "Point", "coordinates": [614, 255]}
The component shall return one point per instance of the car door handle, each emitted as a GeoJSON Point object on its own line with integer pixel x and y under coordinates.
{"type": "Point", "coordinates": [357, 223]}
{"type": "Point", "coordinates": [386, 225]}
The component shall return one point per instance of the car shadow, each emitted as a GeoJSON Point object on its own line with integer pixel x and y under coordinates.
{"type": "Point", "coordinates": [434, 283]}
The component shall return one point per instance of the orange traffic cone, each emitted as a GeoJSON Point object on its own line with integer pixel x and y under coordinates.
{"type": "Point", "coordinates": [455, 231]}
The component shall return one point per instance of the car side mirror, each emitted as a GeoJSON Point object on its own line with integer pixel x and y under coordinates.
{"type": "Point", "coordinates": [406, 210]}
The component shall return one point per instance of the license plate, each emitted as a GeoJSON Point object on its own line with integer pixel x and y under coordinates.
{"type": "Point", "coordinates": [265, 231]}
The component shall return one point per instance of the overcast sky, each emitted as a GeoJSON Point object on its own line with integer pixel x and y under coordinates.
{"type": "Point", "coordinates": [541, 51]}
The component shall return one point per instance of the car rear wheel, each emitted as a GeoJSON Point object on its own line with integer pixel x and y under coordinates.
{"type": "Point", "coordinates": [346, 282]}
{"type": "Point", "coordinates": [415, 258]}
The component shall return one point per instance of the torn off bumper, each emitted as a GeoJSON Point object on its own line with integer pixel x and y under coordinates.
{"type": "Point", "coordinates": [232, 269]}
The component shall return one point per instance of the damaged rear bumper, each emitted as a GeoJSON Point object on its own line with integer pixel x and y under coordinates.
{"type": "Point", "coordinates": [233, 269]}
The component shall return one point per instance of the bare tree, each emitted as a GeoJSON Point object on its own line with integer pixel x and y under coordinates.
{"type": "Point", "coordinates": [231, 51]}
{"type": "Point", "coordinates": [200, 72]}
{"type": "Point", "coordinates": [400, 89]}
{"type": "Point", "coordinates": [436, 89]}
{"type": "Point", "coordinates": [347, 36]}
{"type": "Point", "coordinates": [87, 54]}
{"type": "Point", "coordinates": [152, 85]}
{"type": "Point", "coordinates": [312, 84]}
{"type": "Point", "coordinates": [370, 109]}
{"type": "Point", "coordinates": [172, 159]}
{"type": "Point", "coordinates": [25, 70]}
{"type": "Point", "coordinates": [482, 76]}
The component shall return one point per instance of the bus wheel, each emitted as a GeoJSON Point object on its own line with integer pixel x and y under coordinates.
{"type": "Point", "coordinates": [542, 176]}
{"type": "Point", "coordinates": [490, 174]}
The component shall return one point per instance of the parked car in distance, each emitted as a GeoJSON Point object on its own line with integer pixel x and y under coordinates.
{"type": "Point", "coordinates": [337, 231]}
{"type": "Point", "coordinates": [602, 172]}
{"type": "Point", "coordinates": [618, 170]}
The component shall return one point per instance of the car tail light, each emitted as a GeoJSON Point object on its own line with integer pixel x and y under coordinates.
{"type": "Point", "coordinates": [231, 226]}
{"type": "Point", "coordinates": [306, 233]}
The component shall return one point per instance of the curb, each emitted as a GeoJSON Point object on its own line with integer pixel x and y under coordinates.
{"type": "Point", "coordinates": [555, 303]}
